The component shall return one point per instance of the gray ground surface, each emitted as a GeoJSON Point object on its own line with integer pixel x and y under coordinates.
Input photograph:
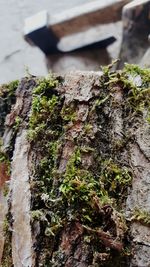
{"type": "Point", "coordinates": [15, 54]}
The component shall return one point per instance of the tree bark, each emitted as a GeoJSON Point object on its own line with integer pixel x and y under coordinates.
{"type": "Point", "coordinates": [77, 153]}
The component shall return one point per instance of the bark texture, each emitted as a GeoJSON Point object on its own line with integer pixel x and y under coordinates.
{"type": "Point", "coordinates": [75, 170]}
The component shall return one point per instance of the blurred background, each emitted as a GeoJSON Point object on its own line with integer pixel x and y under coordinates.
{"type": "Point", "coordinates": [17, 55]}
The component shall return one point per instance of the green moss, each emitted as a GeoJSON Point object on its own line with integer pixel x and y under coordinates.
{"type": "Point", "coordinates": [44, 112]}
{"type": "Point", "coordinates": [17, 123]}
{"type": "Point", "coordinates": [106, 69]}
{"type": "Point", "coordinates": [144, 74]}
{"type": "Point", "coordinates": [45, 86]}
{"type": "Point", "coordinates": [68, 113]}
{"type": "Point", "coordinates": [5, 226]}
{"type": "Point", "coordinates": [5, 190]}
{"type": "Point", "coordinates": [3, 156]}
{"type": "Point", "coordinates": [82, 188]}
{"type": "Point", "coordinates": [41, 108]}
{"type": "Point", "coordinates": [135, 84]}
{"type": "Point", "coordinates": [139, 88]}
{"type": "Point", "coordinates": [88, 127]}
{"type": "Point", "coordinates": [86, 149]}
{"type": "Point", "coordinates": [115, 180]}
{"type": "Point", "coordinates": [45, 127]}
{"type": "Point", "coordinates": [7, 259]}
{"type": "Point", "coordinates": [78, 185]}
{"type": "Point", "coordinates": [141, 216]}
{"type": "Point", "coordinates": [8, 90]}
{"type": "Point", "coordinates": [37, 215]}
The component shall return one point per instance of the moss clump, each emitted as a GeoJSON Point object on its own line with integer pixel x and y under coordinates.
{"type": "Point", "coordinates": [141, 216]}
{"type": "Point", "coordinates": [3, 157]}
{"type": "Point", "coordinates": [85, 193]}
{"type": "Point", "coordinates": [138, 90]}
{"type": "Point", "coordinates": [45, 110]}
{"type": "Point", "coordinates": [143, 80]}
{"type": "Point", "coordinates": [68, 113]}
{"type": "Point", "coordinates": [115, 180]}
{"type": "Point", "coordinates": [45, 86]}
{"type": "Point", "coordinates": [17, 123]}
{"type": "Point", "coordinates": [135, 85]}
{"type": "Point", "coordinates": [79, 188]}
{"type": "Point", "coordinates": [8, 90]}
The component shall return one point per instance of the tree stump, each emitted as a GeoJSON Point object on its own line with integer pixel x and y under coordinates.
{"type": "Point", "coordinates": [77, 151]}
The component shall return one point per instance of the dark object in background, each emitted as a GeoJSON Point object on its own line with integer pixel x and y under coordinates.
{"type": "Point", "coordinates": [48, 42]}
{"type": "Point", "coordinates": [37, 32]}
{"type": "Point", "coordinates": [136, 28]}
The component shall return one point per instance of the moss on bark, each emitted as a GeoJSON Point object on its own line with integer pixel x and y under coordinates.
{"type": "Point", "coordinates": [80, 132]}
